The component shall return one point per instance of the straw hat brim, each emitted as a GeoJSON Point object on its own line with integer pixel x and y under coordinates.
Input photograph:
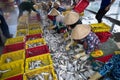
{"type": "Point", "coordinates": [54, 12]}
{"type": "Point", "coordinates": [71, 18]}
{"type": "Point", "coordinates": [80, 31]}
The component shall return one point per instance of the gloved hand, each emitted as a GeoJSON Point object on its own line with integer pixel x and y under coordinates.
{"type": "Point", "coordinates": [96, 76]}
{"type": "Point", "coordinates": [81, 54]}
{"type": "Point", "coordinates": [68, 45]}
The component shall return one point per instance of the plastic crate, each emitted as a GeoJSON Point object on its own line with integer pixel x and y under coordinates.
{"type": "Point", "coordinates": [100, 27]}
{"type": "Point", "coordinates": [45, 58]}
{"type": "Point", "coordinates": [33, 37]}
{"type": "Point", "coordinates": [37, 31]}
{"type": "Point", "coordinates": [47, 69]}
{"type": "Point", "coordinates": [13, 47]}
{"type": "Point", "coordinates": [37, 51]}
{"type": "Point", "coordinates": [41, 40]}
{"type": "Point", "coordinates": [18, 77]}
{"type": "Point", "coordinates": [21, 32]}
{"type": "Point", "coordinates": [103, 36]}
{"type": "Point", "coordinates": [14, 40]}
{"type": "Point", "coordinates": [104, 58]}
{"type": "Point", "coordinates": [33, 21]}
{"type": "Point", "coordinates": [14, 56]}
{"type": "Point", "coordinates": [34, 26]}
{"type": "Point", "coordinates": [81, 5]}
{"type": "Point", "coordinates": [22, 26]}
{"type": "Point", "coordinates": [35, 17]}
{"type": "Point", "coordinates": [15, 68]}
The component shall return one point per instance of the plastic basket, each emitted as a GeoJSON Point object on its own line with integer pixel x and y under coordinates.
{"type": "Point", "coordinates": [33, 37]}
{"type": "Point", "coordinates": [14, 56]}
{"type": "Point", "coordinates": [47, 69]}
{"type": "Point", "coordinates": [104, 58]}
{"type": "Point", "coordinates": [41, 40]}
{"type": "Point", "coordinates": [37, 31]}
{"type": "Point", "coordinates": [35, 17]}
{"type": "Point", "coordinates": [45, 58]}
{"type": "Point", "coordinates": [15, 68]}
{"type": "Point", "coordinates": [37, 51]}
{"type": "Point", "coordinates": [18, 77]}
{"type": "Point", "coordinates": [13, 47]}
{"type": "Point", "coordinates": [34, 26]}
{"type": "Point", "coordinates": [81, 5]}
{"type": "Point", "coordinates": [14, 40]}
{"type": "Point", "coordinates": [21, 32]}
{"type": "Point", "coordinates": [100, 27]}
{"type": "Point", "coordinates": [103, 36]}
{"type": "Point", "coordinates": [22, 26]}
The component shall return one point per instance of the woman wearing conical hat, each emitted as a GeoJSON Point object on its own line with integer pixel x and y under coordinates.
{"type": "Point", "coordinates": [52, 15]}
{"type": "Point", "coordinates": [72, 19]}
{"type": "Point", "coordinates": [82, 34]}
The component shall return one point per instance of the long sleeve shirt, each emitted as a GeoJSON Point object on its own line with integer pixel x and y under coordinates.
{"type": "Point", "coordinates": [112, 67]}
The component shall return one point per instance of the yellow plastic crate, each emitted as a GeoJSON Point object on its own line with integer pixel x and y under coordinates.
{"type": "Point", "coordinates": [45, 58]}
{"type": "Point", "coordinates": [100, 27]}
{"type": "Point", "coordinates": [14, 68]}
{"type": "Point", "coordinates": [37, 31]}
{"type": "Point", "coordinates": [22, 26]}
{"type": "Point", "coordinates": [21, 32]}
{"type": "Point", "coordinates": [34, 26]}
{"type": "Point", "coordinates": [14, 40]}
{"type": "Point", "coordinates": [14, 56]}
{"type": "Point", "coordinates": [40, 40]}
{"type": "Point", "coordinates": [47, 69]}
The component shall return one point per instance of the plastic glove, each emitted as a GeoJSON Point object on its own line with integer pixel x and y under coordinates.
{"type": "Point", "coordinates": [68, 45]}
{"type": "Point", "coordinates": [96, 76]}
{"type": "Point", "coordinates": [80, 55]}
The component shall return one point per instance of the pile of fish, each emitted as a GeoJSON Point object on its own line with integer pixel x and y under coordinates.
{"type": "Point", "coordinates": [21, 34]}
{"type": "Point", "coordinates": [34, 28]}
{"type": "Point", "coordinates": [41, 76]}
{"type": "Point", "coordinates": [33, 38]}
{"type": "Point", "coordinates": [36, 64]}
{"type": "Point", "coordinates": [66, 67]}
{"type": "Point", "coordinates": [8, 60]}
{"type": "Point", "coordinates": [34, 45]}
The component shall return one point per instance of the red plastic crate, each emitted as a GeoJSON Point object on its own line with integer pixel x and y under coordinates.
{"type": "Point", "coordinates": [80, 7]}
{"type": "Point", "coordinates": [51, 17]}
{"type": "Point", "coordinates": [18, 77]}
{"type": "Point", "coordinates": [104, 58]}
{"type": "Point", "coordinates": [13, 47]}
{"type": "Point", "coordinates": [33, 36]}
{"type": "Point", "coordinates": [37, 17]}
{"type": "Point", "coordinates": [30, 52]}
{"type": "Point", "coordinates": [103, 36]}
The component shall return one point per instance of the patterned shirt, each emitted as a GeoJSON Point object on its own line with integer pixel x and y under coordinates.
{"type": "Point", "coordinates": [112, 67]}
{"type": "Point", "coordinates": [92, 42]}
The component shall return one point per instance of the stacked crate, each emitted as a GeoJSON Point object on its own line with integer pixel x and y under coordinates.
{"type": "Point", "coordinates": [21, 53]}
{"type": "Point", "coordinates": [102, 30]}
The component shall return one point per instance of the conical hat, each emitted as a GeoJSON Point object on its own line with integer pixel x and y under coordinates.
{"type": "Point", "coordinates": [80, 31]}
{"type": "Point", "coordinates": [57, 3]}
{"type": "Point", "coordinates": [54, 12]}
{"type": "Point", "coordinates": [71, 18]}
